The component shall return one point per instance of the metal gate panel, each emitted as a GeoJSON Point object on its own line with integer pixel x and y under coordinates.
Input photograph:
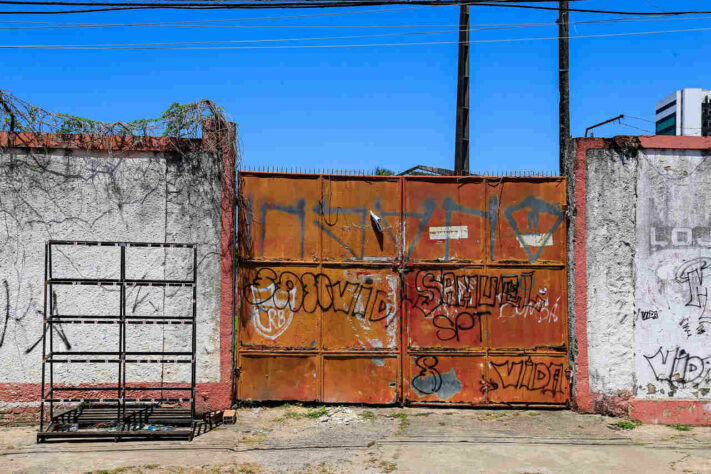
{"type": "Point", "coordinates": [362, 310]}
{"type": "Point", "coordinates": [281, 307]}
{"type": "Point", "coordinates": [529, 311]}
{"type": "Point", "coordinates": [276, 210]}
{"type": "Point", "coordinates": [319, 288]}
{"type": "Point", "coordinates": [445, 378]}
{"type": "Point", "coordinates": [370, 379]}
{"type": "Point", "coordinates": [530, 226]}
{"type": "Point", "coordinates": [359, 219]}
{"type": "Point", "coordinates": [445, 219]}
{"type": "Point", "coordinates": [484, 281]}
{"type": "Point", "coordinates": [424, 290]}
{"type": "Point", "coordinates": [531, 379]}
{"type": "Point", "coordinates": [443, 308]}
{"type": "Point", "coordinates": [279, 377]}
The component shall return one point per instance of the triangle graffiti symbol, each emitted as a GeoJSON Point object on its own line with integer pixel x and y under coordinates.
{"type": "Point", "coordinates": [540, 206]}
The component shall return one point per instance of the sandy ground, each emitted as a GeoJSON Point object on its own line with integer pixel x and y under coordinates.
{"type": "Point", "coordinates": [376, 440]}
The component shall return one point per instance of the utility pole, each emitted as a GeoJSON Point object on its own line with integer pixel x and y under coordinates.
{"type": "Point", "coordinates": [563, 82]}
{"type": "Point", "coordinates": [461, 146]}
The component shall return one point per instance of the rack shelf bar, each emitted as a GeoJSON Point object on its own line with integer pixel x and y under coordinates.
{"type": "Point", "coordinates": [128, 413]}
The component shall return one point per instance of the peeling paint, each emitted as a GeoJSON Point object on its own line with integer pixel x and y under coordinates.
{"type": "Point", "coordinates": [450, 385]}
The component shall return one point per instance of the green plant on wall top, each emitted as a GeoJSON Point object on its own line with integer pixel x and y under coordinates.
{"type": "Point", "coordinates": [383, 172]}
{"type": "Point", "coordinates": [179, 120]}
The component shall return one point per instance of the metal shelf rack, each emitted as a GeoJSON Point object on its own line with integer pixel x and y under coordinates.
{"type": "Point", "coordinates": [123, 413]}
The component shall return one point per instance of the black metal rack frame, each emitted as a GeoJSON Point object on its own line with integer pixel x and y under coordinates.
{"type": "Point", "coordinates": [125, 413]}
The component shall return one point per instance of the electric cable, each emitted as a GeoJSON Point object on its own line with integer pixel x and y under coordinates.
{"type": "Point", "coordinates": [192, 45]}
{"type": "Point", "coordinates": [639, 118]}
{"type": "Point", "coordinates": [318, 4]}
{"type": "Point", "coordinates": [638, 128]}
{"type": "Point", "coordinates": [210, 23]}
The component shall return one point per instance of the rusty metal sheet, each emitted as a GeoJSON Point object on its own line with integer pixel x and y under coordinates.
{"type": "Point", "coordinates": [445, 219]}
{"type": "Point", "coordinates": [359, 219]}
{"type": "Point", "coordinates": [530, 309]}
{"type": "Point", "coordinates": [336, 270]}
{"type": "Point", "coordinates": [519, 378]}
{"type": "Point", "coordinates": [530, 222]}
{"type": "Point", "coordinates": [281, 306]}
{"type": "Point", "coordinates": [447, 308]}
{"type": "Point", "coordinates": [274, 377]}
{"type": "Point", "coordinates": [445, 378]}
{"type": "Point", "coordinates": [278, 217]}
{"type": "Point", "coordinates": [372, 379]}
{"type": "Point", "coordinates": [361, 310]}
{"type": "Point", "coordinates": [469, 308]}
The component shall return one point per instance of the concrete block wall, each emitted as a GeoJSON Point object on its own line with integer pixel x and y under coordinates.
{"type": "Point", "coordinates": [145, 193]}
{"type": "Point", "coordinates": [641, 264]}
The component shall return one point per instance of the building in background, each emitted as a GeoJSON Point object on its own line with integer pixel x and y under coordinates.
{"type": "Point", "coordinates": [685, 112]}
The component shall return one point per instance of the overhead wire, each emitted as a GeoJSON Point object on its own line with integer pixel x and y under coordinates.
{"type": "Point", "coordinates": [639, 118]}
{"type": "Point", "coordinates": [272, 40]}
{"type": "Point", "coordinates": [314, 4]}
{"type": "Point", "coordinates": [632, 126]}
{"type": "Point", "coordinates": [203, 44]}
{"type": "Point", "coordinates": [60, 12]}
{"type": "Point", "coordinates": [258, 3]}
{"type": "Point", "coordinates": [280, 17]}
{"type": "Point", "coordinates": [211, 24]}
{"type": "Point", "coordinates": [590, 10]}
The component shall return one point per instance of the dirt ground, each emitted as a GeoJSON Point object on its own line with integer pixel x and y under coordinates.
{"type": "Point", "coordinates": [332, 439]}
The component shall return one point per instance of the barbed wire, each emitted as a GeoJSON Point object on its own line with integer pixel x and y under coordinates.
{"type": "Point", "coordinates": [178, 121]}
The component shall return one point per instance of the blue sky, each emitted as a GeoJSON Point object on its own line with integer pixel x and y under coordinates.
{"type": "Point", "coordinates": [358, 108]}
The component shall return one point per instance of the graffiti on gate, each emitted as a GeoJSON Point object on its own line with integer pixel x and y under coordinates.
{"type": "Point", "coordinates": [455, 300]}
{"type": "Point", "coordinates": [532, 239]}
{"type": "Point", "coordinates": [523, 375]}
{"type": "Point", "coordinates": [527, 375]}
{"type": "Point", "coordinates": [329, 218]}
{"type": "Point", "coordinates": [429, 380]}
{"type": "Point", "coordinates": [275, 297]}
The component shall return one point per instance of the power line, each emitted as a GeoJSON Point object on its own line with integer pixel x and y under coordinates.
{"type": "Point", "coordinates": [283, 17]}
{"type": "Point", "coordinates": [272, 40]}
{"type": "Point", "coordinates": [584, 10]}
{"type": "Point", "coordinates": [313, 4]}
{"type": "Point", "coordinates": [60, 12]}
{"type": "Point", "coordinates": [211, 23]}
{"type": "Point", "coordinates": [191, 45]}
{"type": "Point", "coordinates": [638, 128]}
{"type": "Point", "coordinates": [253, 3]}
{"type": "Point", "coordinates": [639, 118]}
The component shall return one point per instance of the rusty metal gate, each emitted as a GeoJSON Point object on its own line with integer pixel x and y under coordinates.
{"type": "Point", "coordinates": [416, 289]}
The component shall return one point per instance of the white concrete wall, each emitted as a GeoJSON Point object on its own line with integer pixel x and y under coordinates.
{"type": "Point", "coordinates": [610, 238]}
{"type": "Point", "coordinates": [648, 245]}
{"type": "Point", "coordinates": [148, 197]}
{"type": "Point", "coordinates": [673, 275]}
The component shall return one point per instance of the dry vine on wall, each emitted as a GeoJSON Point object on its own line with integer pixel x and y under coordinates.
{"type": "Point", "coordinates": [79, 183]}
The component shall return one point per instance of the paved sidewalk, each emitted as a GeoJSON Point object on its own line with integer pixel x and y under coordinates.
{"type": "Point", "coordinates": [376, 440]}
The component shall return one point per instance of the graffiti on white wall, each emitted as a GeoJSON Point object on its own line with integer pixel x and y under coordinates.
{"type": "Point", "coordinates": [673, 275]}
